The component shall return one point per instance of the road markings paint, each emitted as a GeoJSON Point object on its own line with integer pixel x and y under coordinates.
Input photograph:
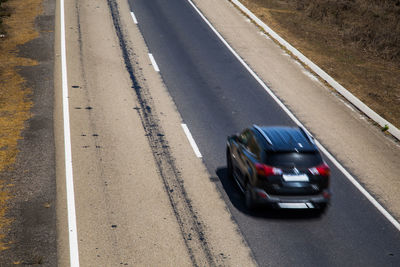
{"type": "Point", "coordinates": [191, 140]}
{"type": "Point", "coordinates": [72, 229]}
{"type": "Point", "coordinates": [134, 18]}
{"type": "Point", "coordinates": [154, 63]}
{"type": "Point", "coordinates": [374, 202]}
{"type": "Point", "coordinates": [385, 213]}
{"type": "Point", "coordinates": [338, 87]}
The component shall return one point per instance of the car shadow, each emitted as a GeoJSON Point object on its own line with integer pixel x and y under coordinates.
{"type": "Point", "coordinates": [237, 199]}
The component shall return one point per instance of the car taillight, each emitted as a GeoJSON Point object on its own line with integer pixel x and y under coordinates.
{"type": "Point", "coordinates": [322, 169]}
{"type": "Point", "coordinates": [266, 170]}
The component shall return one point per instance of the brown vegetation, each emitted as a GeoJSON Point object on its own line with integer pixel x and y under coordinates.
{"type": "Point", "coordinates": [373, 25]}
{"type": "Point", "coordinates": [15, 103]}
{"type": "Point", "coordinates": [4, 12]}
{"type": "Point", "coordinates": [356, 41]}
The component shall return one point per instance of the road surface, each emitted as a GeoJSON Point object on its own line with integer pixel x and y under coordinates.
{"type": "Point", "coordinates": [142, 196]}
{"type": "Point", "coordinates": [216, 97]}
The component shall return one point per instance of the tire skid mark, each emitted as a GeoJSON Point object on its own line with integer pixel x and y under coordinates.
{"type": "Point", "coordinates": [92, 126]}
{"type": "Point", "coordinates": [190, 226]}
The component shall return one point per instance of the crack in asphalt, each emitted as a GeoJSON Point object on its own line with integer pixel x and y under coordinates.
{"type": "Point", "coordinates": [191, 228]}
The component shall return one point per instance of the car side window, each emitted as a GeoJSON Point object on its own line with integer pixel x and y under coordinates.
{"type": "Point", "coordinates": [244, 137]}
{"type": "Point", "coordinates": [253, 145]}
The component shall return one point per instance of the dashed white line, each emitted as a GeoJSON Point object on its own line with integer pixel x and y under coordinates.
{"type": "Point", "coordinates": [134, 18]}
{"type": "Point", "coordinates": [384, 212]}
{"type": "Point", "coordinates": [191, 140]}
{"type": "Point", "coordinates": [154, 63]}
{"type": "Point", "coordinates": [72, 229]}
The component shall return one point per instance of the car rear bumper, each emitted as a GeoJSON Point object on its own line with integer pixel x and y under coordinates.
{"type": "Point", "coordinates": [292, 202]}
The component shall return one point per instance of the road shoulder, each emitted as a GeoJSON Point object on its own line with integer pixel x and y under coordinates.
{"type": "Point", "coordinates": [135, 203]}
{"type": "Point", "coordinates": [361, 147]}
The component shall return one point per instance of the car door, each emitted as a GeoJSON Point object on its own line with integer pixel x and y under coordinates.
{"type": "Point", "coordinates": [237, 151]}
{"type": "Point", "coordinates": [235, 147]}
{"type": "Point", "coordinates": [252, 155]}
{"type": "Point", "coordinates": [249, 154]}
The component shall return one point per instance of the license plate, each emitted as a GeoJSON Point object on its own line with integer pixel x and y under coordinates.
{"type": "Point", "coordinates": [295, 178]}
{"type": "Point", "coordinates": [296, 205]}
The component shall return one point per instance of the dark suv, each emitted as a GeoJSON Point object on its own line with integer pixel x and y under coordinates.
{"type": "Point", "coordinates": [279, 166]}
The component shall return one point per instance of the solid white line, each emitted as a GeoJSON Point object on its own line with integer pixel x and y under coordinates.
{"type": "Point", "coordinates": [384, 212]}
{"type": "Point", "coordinates": [134, 18]}
{"type": "Point", "coordinates": [154, 63]}
{"type": "Point", "coordinates": [191, 140]}
{"type": "Point", "coordinates": [321, 73]}
{"type": "Point", "coordinates": [72, 229]}
{"type": "Point", "coordinates": [291, 115]}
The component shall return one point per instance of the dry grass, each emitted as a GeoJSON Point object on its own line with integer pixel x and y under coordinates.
{"type": "Point", "coordinates": [15, 103]}
{"type": "Point", "coordinates": [356, 41]}
{"type": "Point", "coordinates": [373, 25]}
{"type": "Point", "coordinates": [4, 12]}
{"type": "Point", "coordinates": [4, 221]}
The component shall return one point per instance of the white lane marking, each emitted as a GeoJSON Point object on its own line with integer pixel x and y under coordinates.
{"type": "Point", "coordinates": [134, 18]}
{"type": "Point", "coordinates": [385, 213]}
{"type": "Point", "coordinates": [338, 87]}
{"type": "Point", "coordinates": [72, 229]}
{"type": "Point", "coordinates": [191, 140]}
{"type": "Point", "coordinates": [290, 114]}
{"type": "Point", "coordinates": [154, 63]}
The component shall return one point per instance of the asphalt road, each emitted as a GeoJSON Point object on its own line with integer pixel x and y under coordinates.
{"type": "Point", "coordinates": [216, 96]}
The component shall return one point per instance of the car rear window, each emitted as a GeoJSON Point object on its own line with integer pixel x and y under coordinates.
{"type": "Point", "coordinates": [294, 159]}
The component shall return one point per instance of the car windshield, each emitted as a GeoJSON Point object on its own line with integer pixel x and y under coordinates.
{"type": "Point", "coordinates": [293, 159]}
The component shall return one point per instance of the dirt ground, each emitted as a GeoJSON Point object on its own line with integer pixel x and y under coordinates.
{"type": "Point", "coordinates": [355, 43]}
{"type": "Point", "coordinates": [15, 103]}
{"type": "Point", "coordinates": [27, 184]}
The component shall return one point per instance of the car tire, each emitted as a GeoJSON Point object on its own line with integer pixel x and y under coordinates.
{"type": "Point", "coordinates": [249, 200]}
{"type": "Point", "coordinates": [229, 164]}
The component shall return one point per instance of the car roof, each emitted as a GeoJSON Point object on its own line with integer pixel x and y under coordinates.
{"type": "Point", "coordinates": [281, 138]}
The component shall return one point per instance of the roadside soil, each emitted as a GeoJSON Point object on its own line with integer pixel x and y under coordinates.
{"type": "Point", "coordinates": [353, 41]}
{"type": "Point", "coordinates": [4, 12]}
{"type": "Point", "coordinates": [15, 102]}
{"type": "Point", "coordinates": [27, 188]}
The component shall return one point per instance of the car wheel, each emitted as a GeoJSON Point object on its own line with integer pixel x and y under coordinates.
{"type": "Point", "coordinates": [229, 164]}
{"type": "Point", "coordinates": [250, 205]}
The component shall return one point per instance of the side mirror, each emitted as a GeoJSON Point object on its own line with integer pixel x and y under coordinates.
{"type": "Point", "coordinates": [236, 138]}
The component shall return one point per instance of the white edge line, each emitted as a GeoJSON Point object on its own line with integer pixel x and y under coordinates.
{"type": "Point", "coordinates": [72, 228]}
{"type": "Point", "coordinates": [134, 18]}
{"type": "Point", "coordinates": [191, 140]}
{"type": "Point", "coordinates": [338, 87]}
{"type": "Point", "coordinates": [384, 212]}
{"type": "Point", "coordinates": [153, 62]}
{"type": "Point", "coordinates": [290, 114]}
